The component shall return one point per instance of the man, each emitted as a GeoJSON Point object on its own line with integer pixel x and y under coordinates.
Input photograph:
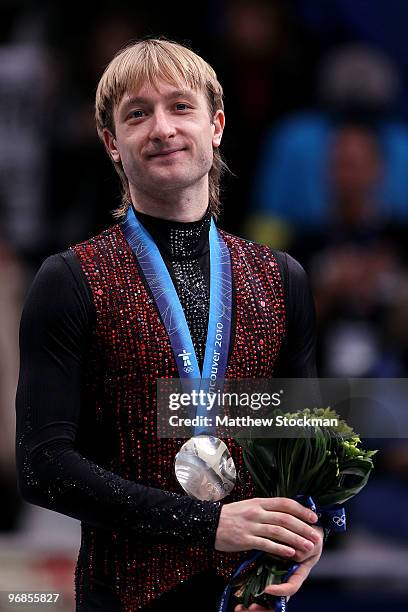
{"type": "Point", "coordinates": [94, 342]}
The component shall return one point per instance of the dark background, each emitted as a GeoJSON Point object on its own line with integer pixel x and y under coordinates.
{"type": "Point", "coordinates": [316, 140]}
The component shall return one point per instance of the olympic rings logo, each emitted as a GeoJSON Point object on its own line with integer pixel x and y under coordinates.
{"type": "Point", "coordinates": [339, 520]}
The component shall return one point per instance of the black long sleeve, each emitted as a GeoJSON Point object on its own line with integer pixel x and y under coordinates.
{"type": "Point", "coordinates": [56, 321]}
{"type": "Point", "coordinates": [297, 357]}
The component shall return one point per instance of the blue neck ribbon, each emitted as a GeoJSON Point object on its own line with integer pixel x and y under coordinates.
{"type": "Point", "coordinates": [172, 313]}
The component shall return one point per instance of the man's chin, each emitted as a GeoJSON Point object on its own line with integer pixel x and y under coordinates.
{"type": "Point", "coordinates": [170, 181]}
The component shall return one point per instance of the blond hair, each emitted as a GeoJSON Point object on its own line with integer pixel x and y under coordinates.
{"type": "Point", "coordinates": [146, 62]}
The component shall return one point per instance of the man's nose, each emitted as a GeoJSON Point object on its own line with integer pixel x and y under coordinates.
{"type": "Point", "coordinates": [162, 126]}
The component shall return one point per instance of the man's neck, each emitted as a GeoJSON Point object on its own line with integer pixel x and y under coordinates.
{"type": "Point", "coordinates": [185, 207]}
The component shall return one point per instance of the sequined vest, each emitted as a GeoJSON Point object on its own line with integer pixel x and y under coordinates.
{"type": "Point", "coordinates": [129, 351]}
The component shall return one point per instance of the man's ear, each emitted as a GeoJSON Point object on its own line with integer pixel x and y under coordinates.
{"type": "Point", "coordinates": [111, 145]}
{"type": "Point", "coordinates": [218, 123]}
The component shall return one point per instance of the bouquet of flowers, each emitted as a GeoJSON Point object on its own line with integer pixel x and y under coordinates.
{"type": "Point", "coordinates": [325, 464]}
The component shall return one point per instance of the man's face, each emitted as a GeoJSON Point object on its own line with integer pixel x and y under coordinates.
{"type": "Point", "coordinates": [164, 138]}
{"type": "Point", "coordinates": [356, 163]}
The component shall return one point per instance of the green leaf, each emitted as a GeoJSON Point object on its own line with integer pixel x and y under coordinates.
{"type": "Point", "coordinates": [329, 464]}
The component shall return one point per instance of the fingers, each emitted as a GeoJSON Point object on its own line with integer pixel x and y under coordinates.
{"type": "Point", "coordinates": [276, 540]}
{"type": "Point", "coordinates": [288, 506]}
{"type": "Point", "coordinates": [276, 525]}
{"type": "Point", "coordinates": [290, 522]}
{"type": "Point", "coordinates": [300, 557]}
{"type": "Point", "coordinates": [295, 581]}
{"type": "Point", "coordinates": [295, 533]}
{"type": "Point", "coordinates": [315, 552]}
{"type": "Point", "coordinates": [273, 548]}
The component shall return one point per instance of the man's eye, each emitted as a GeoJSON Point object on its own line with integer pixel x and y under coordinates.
{"type": "Point", "coordinates": [183, 106]}
{"type": "Point", "coordinates": [136, 114]}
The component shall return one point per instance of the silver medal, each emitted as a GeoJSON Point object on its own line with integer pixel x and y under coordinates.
{"type": "Point", "coordinates": [205, 469]}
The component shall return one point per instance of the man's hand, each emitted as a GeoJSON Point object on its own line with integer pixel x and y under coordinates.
{"type": "Point", "coordinates": [276, 525]}
{"type": "Point", "coordinates": [294, 583]}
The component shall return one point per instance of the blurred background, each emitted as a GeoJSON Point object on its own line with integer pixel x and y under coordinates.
{"type": "Point", "coordinates": [316, 99]}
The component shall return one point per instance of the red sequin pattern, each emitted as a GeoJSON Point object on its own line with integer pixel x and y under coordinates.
{"type": "Point", "coordinates": [129, 351]}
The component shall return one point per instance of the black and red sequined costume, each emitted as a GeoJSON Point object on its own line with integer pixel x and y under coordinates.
{"type": "Point", "coordinates": [93, 351]}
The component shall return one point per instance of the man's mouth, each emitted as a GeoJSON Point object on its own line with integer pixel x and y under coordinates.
{"type": "Point", "coordinates": [167, 153]}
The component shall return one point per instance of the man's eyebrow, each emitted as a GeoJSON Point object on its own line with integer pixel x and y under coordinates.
{"type": "Point", "coordinates": [174, 94]}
